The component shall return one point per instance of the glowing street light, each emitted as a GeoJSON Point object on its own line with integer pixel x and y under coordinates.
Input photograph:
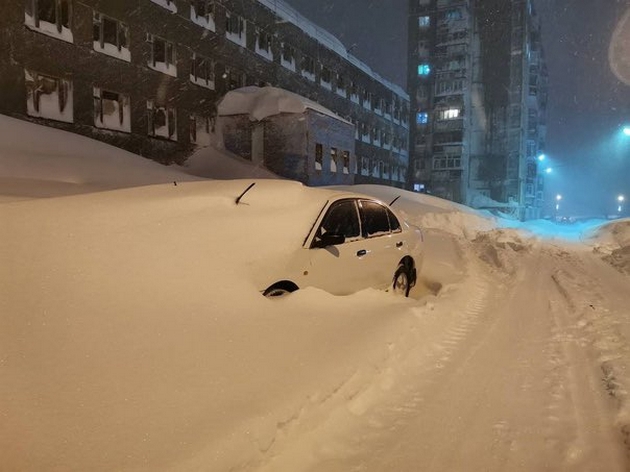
{"type": "Point", "coordinates": [620, 199]}
{"type": "Point", "coordinates": [558, 199]}
{"type": "Point", "coordinates": [542, 157]}
{"type": "Point", "coordinates": [626, 131]}
{"type": "Point", "coordinates": [548, 170]}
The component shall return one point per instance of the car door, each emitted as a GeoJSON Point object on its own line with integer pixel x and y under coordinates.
{"type": "Point", "coordinates": [383, 245]}
{"type": "Point", "coordinates": [339, 268]}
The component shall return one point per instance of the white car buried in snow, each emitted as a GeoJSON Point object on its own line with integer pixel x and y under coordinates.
{"type": "Point", "coordinates": [354, 242]}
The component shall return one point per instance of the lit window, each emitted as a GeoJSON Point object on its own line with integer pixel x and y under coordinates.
{"type": "Point", "coordinates": [424, 21]}
{"type": "Point", "coordinates": [424, 69]}
{"type": "Point", "coordinates": [422, 118]}
{"type": "Point", "coordinates": [449, 114]}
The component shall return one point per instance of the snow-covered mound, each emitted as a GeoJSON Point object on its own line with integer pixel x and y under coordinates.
{"type": "Point", "coordinates": [38, 161]}
{"type": "Point", "coordinates": [427, 211]}
{"type": "Point", "coordinates": [262, 102]}
{"type": "Point", "coordinates": [612, 240]}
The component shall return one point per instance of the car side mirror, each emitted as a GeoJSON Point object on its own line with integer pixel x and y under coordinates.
{"type": "Point", "coordinates": [329, 239]}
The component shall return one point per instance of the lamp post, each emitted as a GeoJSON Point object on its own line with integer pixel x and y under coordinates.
{"type": "Point", "coordinates": [620, 199]}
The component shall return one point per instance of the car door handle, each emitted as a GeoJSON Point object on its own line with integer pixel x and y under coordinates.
{"type": "Point", "coordinates": [362, 252]}
{"type": "Point", "coordinates": [399, 244]}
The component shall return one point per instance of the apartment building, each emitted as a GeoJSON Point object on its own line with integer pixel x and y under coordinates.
{"type": "Point", "coordinates": [478, 87]}
{"type": "Point", "coordinates": [147, 75]}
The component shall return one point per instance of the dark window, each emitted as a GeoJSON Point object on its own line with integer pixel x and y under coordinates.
{"type": "Point", "coordinates": [319, 156]}
{"type": "Point", "coordinates": [375, 219]}
{"type": "Point", "coordinates": [342, 218]}
{"type": "Point", "coordinates": [48, 11]}
{"type": "Point", "coordinates": [394, 224]}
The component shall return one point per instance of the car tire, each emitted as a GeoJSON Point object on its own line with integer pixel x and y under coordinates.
{"type": "Point", "coordinates": [402, 281]}
{"type": "Point", "coordinates": [281, 289]}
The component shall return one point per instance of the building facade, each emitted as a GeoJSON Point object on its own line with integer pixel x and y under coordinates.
{"type": "Point", "coordinates": [147, 75]}
{"type": "Point", "coordinates": [478, 87]}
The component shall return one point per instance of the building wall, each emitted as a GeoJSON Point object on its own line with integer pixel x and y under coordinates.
{"type": "Point", "coordinates": [339, 81]}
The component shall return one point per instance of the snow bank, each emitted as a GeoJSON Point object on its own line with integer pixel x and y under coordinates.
{"type": "Point", "coordinates": [38, 161]}
{"type": "Point", "coordinates": [612, 241]}
{"type": "Point", "coordinates": [427, 211]}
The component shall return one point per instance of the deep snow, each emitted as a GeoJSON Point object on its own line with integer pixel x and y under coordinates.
{"type": "Point", "coordinates": [131, 338]}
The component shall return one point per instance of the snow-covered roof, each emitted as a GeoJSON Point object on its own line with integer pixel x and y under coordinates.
{"type": "Point", "coordinates": [289, 14]}
{"type": "Point", "coordinates": [262, 102]}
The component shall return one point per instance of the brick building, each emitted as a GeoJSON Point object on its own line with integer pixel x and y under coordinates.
{"type": "Point", "coordinates": [147, 75]}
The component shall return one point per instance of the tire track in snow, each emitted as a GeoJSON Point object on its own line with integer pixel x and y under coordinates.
{"type": "Point", "coordinates": [577, 387]}
{"type": "Point", "coordinates": [599, 322]}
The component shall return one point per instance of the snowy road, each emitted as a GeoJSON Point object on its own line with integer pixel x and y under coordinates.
{"type": "Point", "coordinates": [528, 376]}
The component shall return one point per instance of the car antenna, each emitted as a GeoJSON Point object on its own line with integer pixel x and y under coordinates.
{"type": "Point", "coordinates": [394, 200]}
{"type": "Point", "coordinates": [238, 199]}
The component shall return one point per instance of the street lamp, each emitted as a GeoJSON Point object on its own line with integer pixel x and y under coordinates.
{"type": "Point", "coordinates": [548, 170]}
{"type": "Point", "coordinates": [558, 199]}
{"type": "Point", "coordinates": [542, 157]}
{"type": "Point", "coordinates": [626, 131]}
{"type": "Point", "coordinates": [620, 199]}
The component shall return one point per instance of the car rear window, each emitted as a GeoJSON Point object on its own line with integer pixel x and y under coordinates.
{"type": "Point", "coordinates": [375, 219]}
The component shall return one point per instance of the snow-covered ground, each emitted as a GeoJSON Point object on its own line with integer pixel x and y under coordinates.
{"type": "Point", "coordinates": [131, 338]}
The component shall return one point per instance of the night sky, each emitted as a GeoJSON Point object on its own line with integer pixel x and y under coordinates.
{"type": "Point", "coordinates": [588, 104]}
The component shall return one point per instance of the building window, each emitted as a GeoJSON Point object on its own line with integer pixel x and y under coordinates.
{"type": "Point", "coordinates": [201, 129]}
{"type": "Point", "coordinates": [111, 37]}
{"type": "Point", "coordinates": [234, 79]}
{"type": "Point", "coordinates": [263, 44]}
{"type": "Point", "coordinates": [168, 4]}
{"type": "Point", "coordinates": [346, 161]}
{"type": "Point", "coordinates": [424, 21]}
{"type": "Point", "coordinates": [341, 86]}
{"type": "Point", "coordinates": [319, 156]}
{"type": "Point", "coordinates": [308, 67]}
{"type": "Point", "coordinates": [202, 13]}
{"type": "Point", "coordinates": [163, 55]}
{"type": "Point", "coordinates": [326, 78]}
{"type": "Point", "coordinates": [48, 97]}
{"type": "Point", "coordinates": [235, 28]}
{"type": "Point", "coordinates": [50, 17]}
{"type": "Point", "coordinates": [424, 69]}
{"type": "Point", "coordinates": [333, 160]}
{"type": "Point", "coordinates": [288, 56]}
{"type": "Point", "coordinates": [449, 114]}
{"type": "Point", "coordinates": [422, 118]}
{"type": "Point", "coordinates": [111, 110]}
{"type": "Point", "coordinates": [162, 121]}
{"type": "Point", "coordinates": [354, 92]}
{"type": "Point", "coordinates": [202, 71]}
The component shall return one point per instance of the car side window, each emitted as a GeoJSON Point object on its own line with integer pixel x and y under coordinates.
{"type": "Point", "coordinates": [375, 219]}
{"type": "Point", "coordinates": [342, 218]}
{"type": "Point", "coordinates": [394, 224]}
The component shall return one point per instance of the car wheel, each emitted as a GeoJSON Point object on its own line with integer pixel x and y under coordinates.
{"type": "Point", "coordinates": [280, 289]}
{"type": "Point", "coordinates": [402, 281]}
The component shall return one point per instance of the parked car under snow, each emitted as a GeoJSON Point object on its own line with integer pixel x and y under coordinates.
{"type": "Point", "coordinates": [354, 242]}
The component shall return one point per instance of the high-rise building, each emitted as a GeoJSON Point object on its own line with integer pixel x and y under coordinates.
{"type": "Point", "coordinates": [478, 88]}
